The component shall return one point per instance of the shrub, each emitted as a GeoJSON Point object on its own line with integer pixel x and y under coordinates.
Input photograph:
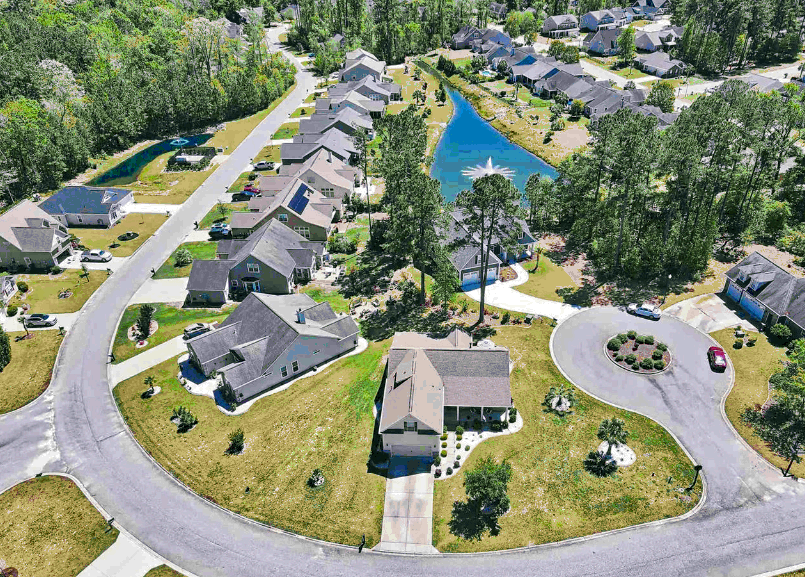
{"type": "Point", "coordinates": [646, 363]}
{"type": "Point", "coordinates": [636, 367]}
{"type": "Point", "coordinates": [639, 339]}
{"type": "Point", "coordinates": [342, 244]}
{"type": "Point", "coordinates": [458, 445]}
{"type": "Point", "coordinates": [236, 442]}
{"type": "Point", "coordinates": [614, 344]}
{"type": "Point", "coordinates": [457, 463]}
{"type": "Point", "coordinates": [316, 479]}
{"type": "Point", "coordinates": [444, 437]}
{"type": "Point", "coordinates": [648, 339]}
{"type": "Point", "coordinates": [659, 365]}
{"type": "Point", "coordinates": [437, 460]}
{"type": "Point", "coordinates": [738, 344]}
{"type": "Point", "coordinates": [750, 342]}
{"type": "Point", "coordinates": [662, 347]}
{"type": "Point", "coordinates": [23, 286]}
{"type": "Point", "coordinates": [5, 349]}
{"type": "Point", "coordinates": [496, 427]}
{"type": "Point", "coordinates": [630, 359]}
{"type": "Point", "coordinates": [598, 465]}
{"type": "Point", "coordinates": [458, 437]}
{"type": "Point", "coordinates": [631, 334]}
{"type": "Point", "coordinates": [56, 269]}
{"type": "Point", "coordinates": [778, 331]}
{"type": "Point", "coordinates": [144, 320]}
{"type": "Point", "coordinates": [459, 431]}
{"type": "Point", "coordinates": [186, 419]}
{"type": "Point", "coordinates": [182, 258]}
{"type": "Point", "coordinates": [505, 319]}
{"type": "Point", "coordinates": [437, 473]}
{"type": "Point", "coordinates": [619, 358]}
{"type": "Point", "coordinates": [466, 447]}
{"type": "Point", "coordinates": [504, 424]}
{"type": "Point", "coordinates": [623, 337]}
{"type": "Point", "coordinates": [513, 415]}
{"type": "Point", "coordinates": [11, 310]}
{"type": "Point", "coordinates": [444, 445]}
{"type": "Point", "coordinates": [656, 354]}
{"type": "Point", "coordinates": [252, 176]}
{"type": "Point", "coordinates": [443, 453]}
{"type": "Point", "coordinates": [449, 470]}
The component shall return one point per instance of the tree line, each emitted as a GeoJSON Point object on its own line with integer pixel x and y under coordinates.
{"type": "Point", "coordinates": [85, 79]}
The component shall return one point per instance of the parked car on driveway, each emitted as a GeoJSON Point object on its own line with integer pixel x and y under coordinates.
{"type": "Point", "coordinates": [645, 310]}
{"type": "Point", "coordinates": [717, 359]}
{"type": "Point", "coordinates": [40, 320]}
{"type": "Point", "coordinates": [264, 165]}
{"type": "Point", "coordinates": [250, 187]}
{"type": "Point", "coordinates": [196, 329]}
{"type": "Point", "coordinates": [220, 229]}
{"type": "Point", "coordinates": [96, 255]}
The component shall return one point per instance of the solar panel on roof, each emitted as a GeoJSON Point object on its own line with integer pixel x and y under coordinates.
{"type": "Point", "coordinates": [299, 200]}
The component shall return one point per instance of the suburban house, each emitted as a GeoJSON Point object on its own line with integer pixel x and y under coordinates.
{"type": "Point", "coordinates": [664, 39]}
{"type": "Point", "coordinates": [337, 41]}
{"type": "Point", "coordinates": [356, 101]}
{"type": "Point", "coordinates": [767, 293]}
{"type": "Point", "coordinates": [251, 16]}
{"type": "Point", "coordinates": [490, 38]}
{"type": "Point", "coordinates": [760, 83]}
{"type": "Point", "coordinates": [269, 339]}
{"type": "Point", "coordinates": [323, 172]}
{"type": "Point", "coordinates": [560, 26]}
{"type": "Point", "coordinates": [498, 11]}
{"type": "Point", "coordinates": [8, 287]}
{"type": "Point", "coordinates": [367, 86]}
{"type": "Point", "coordinates": [650, 9]}
{"type": "Point", "coordinates": [598, 20]}
{"type": "Point", "coordinates": [30, 237]}
{"type": "Point", "coordinates": [305, 146]}
{"type": "Point", "coordinates": [660, 64]}
{"type": "Point", "coordinates": [516, 57]}
{"type": "Point", "coordinates": [431, 383]}
{"type": "Point", "coordinates": [88, 206]}
{"type": "Point", "coordinates": [346, 120]}
{"type": "Point", "coordinates": [299, 207]}
{"type": "Point", "coordinates": [466, 34]}
{"type": "Point", "coordinates": [359, 64]}
{"type": "Point", "coordinates": [604, 41]}
{"type": "Point", "coordinates": [270, 260]}
{"type": "Point", "coordinates": [560, 82]}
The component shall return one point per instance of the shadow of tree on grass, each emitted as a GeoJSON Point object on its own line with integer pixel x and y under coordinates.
{"type": "Point", "coordinates": [469, 522]}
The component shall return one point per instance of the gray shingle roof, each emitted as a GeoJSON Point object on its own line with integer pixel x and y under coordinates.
{"type": "Point", "coordinates": [781, 290]}
{"type": "Point", "coordinates": [84, 200]}
{"type": "Point", "coordinates": [209, 275]}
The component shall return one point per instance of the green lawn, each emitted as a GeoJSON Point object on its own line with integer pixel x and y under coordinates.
{"type": "Point", "coordinates": [28, 374]}
{"type": "Point", "coordinates": [163, 571]}
{"type": "Point", "coordinates": [336, 299]}
{"type": "Point", "coordinates": [50, 529]}
{"type": "Point", "coordinates": [271, 152]}
{"type": "Point", "coordinates": [323, 421]}
{"type": "Point", "coordinates": [311, 97]}
{"type": "Point", "coordinates": [286, 131]}
{"type": "Point", "coordinates": [627, 72]}
{"type": "Point", "coordinates": [43, 291]}
{"type": "Point", "coordinates": [303, 112]}
{"type": "Point", "coordinates": [171, 320]}
{"type": "Point", "coordinates": [203, 250]}
{"type": "Point", "coordinates": [753, 367]}
{"type": "Point", "coordinates": [215, 214]}
{"type": "Point", "coordinates": [552, 496]}
{"type": "Point", "coordinates": [144, 224]}
{"type": "Point", "coordinates": [712, 281]}
{"type": "Point", "coordinates": [544, 282]}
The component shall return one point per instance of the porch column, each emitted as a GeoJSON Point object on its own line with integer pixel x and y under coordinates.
{"type": "Point", "coordinates": [457, 409]}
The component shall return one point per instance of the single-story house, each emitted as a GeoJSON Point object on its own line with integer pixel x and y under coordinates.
{"type": "Point", "coordinates": [298, 206]}
{"type": "Point", "coordinates": [767, 293]}
{"type": "Point", "coordinates": [760, 83]}
{"type": "Point", "coordinates": [270, 339]}
{"type": "Point", "coordinates": [604, 41]}
{"type": "Point", "coordinates": [270, 260]}
{"type": "Point", "coordinates": [30, 237]}
{"type": "Point", "coordinates": [464, 36]}
{"type": "Point", "coordinates": [663, 39]}
{"type": "Point", "coordinates": [431, 383]}
{"type": "Point", "coordinates": [88, 206]}
{"type": "Point", "coordinates": [560, 26]}
{"type": "Point", "coordinates": [660, 64]}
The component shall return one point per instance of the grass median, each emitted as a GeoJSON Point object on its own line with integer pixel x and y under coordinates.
{"type": "Point", "coordinates": [28, 374]}
{"type": "Point", "coordinates": [322, 421]}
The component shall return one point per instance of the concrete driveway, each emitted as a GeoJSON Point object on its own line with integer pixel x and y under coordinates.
{"type": "Point", "coordinates": [408, 508]}
{"type": "Point", "coordinates": [168, 290]}
{"type": "Point", "coordinates": [12, 324]}
{"type": "Point", "coordinates": [75, 262]}
{"type": "Point", "coordinates": [708, 313]}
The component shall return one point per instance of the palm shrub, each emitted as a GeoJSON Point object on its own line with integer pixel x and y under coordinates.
{"type": "Point", "coordinates": [144, 320]}
{"type": "Point", "coordinates": [236, 442]}
{"type": "Point", "coordinates": [612, 432]}
{"type": "Point", "coordinates": [599, 465]}
{"type": "Point", "coordinates": [186, 419]}
{"type": "Point", "coordinates": [316, 479]}
{"type": "Point", "coordinates": [557, 397]}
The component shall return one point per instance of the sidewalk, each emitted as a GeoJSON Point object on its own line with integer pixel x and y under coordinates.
{"type": "Point", "coordinates": [169, 290]}
{"type": "Point", "coordinates": [125, 558]}
{"type": "Point", "coordinates": [151, 208]}
{"type": "Point", "coordinates": [147, 359]}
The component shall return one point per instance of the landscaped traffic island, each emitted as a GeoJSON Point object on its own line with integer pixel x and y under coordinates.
{"type": "Point", "coordinates": [638, 353]}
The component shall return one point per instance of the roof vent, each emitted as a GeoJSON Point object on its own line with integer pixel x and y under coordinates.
{"type": "Point", "coordinates": [300, 316]}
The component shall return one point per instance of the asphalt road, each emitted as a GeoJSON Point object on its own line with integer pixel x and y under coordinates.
{"type": "Point", "coordinates": [739, 532]}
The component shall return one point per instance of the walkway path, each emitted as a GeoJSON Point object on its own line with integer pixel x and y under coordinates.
{"type": "Point", "coordinates": [147, 359]}
{"type": "Point", "coordinates": [408, 508]}
{"type": "Point", "coordinates": [125, 558]}
{"type": "Point", "coordinates": [151, 208]}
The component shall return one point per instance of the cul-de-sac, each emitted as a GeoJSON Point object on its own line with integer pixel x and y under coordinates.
{"type": "Point", "coordinates": [402, 288]}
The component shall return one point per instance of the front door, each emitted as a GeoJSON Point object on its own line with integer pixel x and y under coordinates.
{"type": "Point", "coordinates": [252, 286]}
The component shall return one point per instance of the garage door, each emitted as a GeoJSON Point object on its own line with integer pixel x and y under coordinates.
{"type": "Point", "coordinates": [734, 292]}
{"type": "Point", "coordinates": [470, 278]}
{"type": "Point", "coordinates": [410, 451]}
{"type": "Point", "coordinates": [752, 307]}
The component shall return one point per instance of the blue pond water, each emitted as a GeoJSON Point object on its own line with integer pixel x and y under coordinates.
{"type": "Point", "coordinates": [127, 171]}
{"type": "Point", "coordinates": [469, 140]}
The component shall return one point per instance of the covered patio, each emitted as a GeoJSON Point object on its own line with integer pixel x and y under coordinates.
{"type": "Point", "coordinates": [466, 416]}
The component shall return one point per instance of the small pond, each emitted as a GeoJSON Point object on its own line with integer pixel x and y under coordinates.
{"type": "Point", "coordinates": [468, 141]}
{"type": "Point", "coordinates": [129, 170]}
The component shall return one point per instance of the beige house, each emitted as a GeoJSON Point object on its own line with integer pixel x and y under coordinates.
{"type": "Point", "coordinates": [30, 237]}
{"type": "Point", "coordinates": [432, 383]}
{"type": "Point", "coordinates": [325, 173]}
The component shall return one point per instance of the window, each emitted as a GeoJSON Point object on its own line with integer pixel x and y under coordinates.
{"type": "Point", "coordinates": [234, 283]}
{"type": "Point", "coordinates": [252, 267]}
{"type": "Point", "coordinates": [295, 366]}
{"type": "Point", "coordinates": [302, 231]}
{"type": "Point", "coordinates": [477, 259]}
{"type": "Point", "coordinates": [282, 217]}
{"type": "Point", "coordinates": [80, 219]}
{"type": "Point", "coordinates": [409, 426]}
{"type": "Point", "coordinates": [328, 191]}
{"type": "Point", "coordinates": [284, 371]}
{"type": "Point", "coordinates": [316, 352]}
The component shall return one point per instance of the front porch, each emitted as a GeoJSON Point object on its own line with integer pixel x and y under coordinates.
{"type": "Point", "coordinates": [478, 418]}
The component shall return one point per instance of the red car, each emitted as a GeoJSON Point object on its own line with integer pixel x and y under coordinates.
{"type": "Point", "coordinates": [251, 188]}
{"type": "Point", "coordinates": [717, 358]}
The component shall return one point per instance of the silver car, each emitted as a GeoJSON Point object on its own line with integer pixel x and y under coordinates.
{"type": "Point", "coordinates": [647, 310]}
{"type": "Point", "coordinates": [96, 255]}
{"type": "Point", "coordinates": [196, 329]}
{"type": "Point", "coordinates": [40, 320]}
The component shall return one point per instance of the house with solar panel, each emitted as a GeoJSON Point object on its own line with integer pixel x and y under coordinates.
{"type": "Point", "coordinates": [88, 206]}
{"type": "Point", "coordinates": [301, 208]}
{"type": "Point", "coordinates": [271, 339]}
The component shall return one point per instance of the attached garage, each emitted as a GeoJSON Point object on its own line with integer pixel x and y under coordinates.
{"type": "Point", "coordinates": [734, 292]}
{"type": "Point", "coordinates": [411, 451]}
{"type": "Point", "coordinates": [753, 308]}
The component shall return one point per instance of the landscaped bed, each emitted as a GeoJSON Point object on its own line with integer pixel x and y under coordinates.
{"type": "Point", "coordinates": [145, 225]}
{"type": "Point", "coordinates": [50, 529]}
{"type": "Point", "coordinates": [323, 421]}
{"type": "Point", "coordinates": [28, 374]}
{"type": "Point", "coordinates": [638, 353]}
{"type": "Point", "coordinates": [202, 250]}
{"type": "Point", "coordinates": [552, 496]}
{"type": "Point", "coordinates": [171, 322]}
{"type": "Point", "coordinates": [43, 290]}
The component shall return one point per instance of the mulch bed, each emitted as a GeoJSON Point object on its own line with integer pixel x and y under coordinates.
{"type": "Point", "coordinates": [643, 351]}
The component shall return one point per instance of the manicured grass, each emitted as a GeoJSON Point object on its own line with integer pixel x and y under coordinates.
{"type": "Point", "coordinates": [440, 114]}
{"type": "Point", "coordinates": [753, 367]}
{"type": "Point", "coordinates": [241, 181]}
{"type": "Point", "coordinates": [460, 62]}
{"type": "Point", "coordinates": [158, 187]}
{"type": "Point", "coordinates": [215, 214]}
{"type": "Point", "coordinates": [271, 152]}
{"type": "Point", "coordinates": [627, 72]}
{"type": "Point", "coordinates": [28, 374]}
{"type": "Point", "coordinates": [544, 282]}
{"type": "Point", "coordinates": [171, 321]}
{"type": "Point", "coordinates": [50, 529]}
{"type": "Point", "coordinates": [712, 282]}
{"type": "Point", "coordinates": [285, 131]}
{"type": "Point", "coordinates": [322, 421]}
{"type": "Point", "coordinates": [303, 112]}
{"type": "Point", "coordinates": [144, 224]}
{"type": "Point", "coordinates": [163, 571]}
{"type": "Point", "coordinates": [552, 496]}
{"type": "Point", "coordinates": [311, 97]}
{"type": "Point", "coordinates": [203, 250]}
{"type": "Point", "coordinates": [336, 299]}
{"type": "Point", "coordinates": [43, 292]}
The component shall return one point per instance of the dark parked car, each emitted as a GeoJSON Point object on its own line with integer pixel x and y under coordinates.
{"type": "Point", "coordinates": [717, 358]}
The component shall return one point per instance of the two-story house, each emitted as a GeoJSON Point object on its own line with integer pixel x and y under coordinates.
{"type": "Point", "coordinates": [31, 238]}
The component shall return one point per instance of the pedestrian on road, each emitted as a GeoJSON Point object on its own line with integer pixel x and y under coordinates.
{"type": "Point", "coordinates": [195, 224]}
{"type": "Point", "coordinates": [111, 357]}
{"type": "Point", "coordinates": [153, 272]}
{"type": "Point", "coordinates": [363, 542]}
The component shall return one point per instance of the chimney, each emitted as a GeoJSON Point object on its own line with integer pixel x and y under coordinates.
{"type": "Point", "coordinates": [329, 156]}
{"type": "Point", "coordinates": [300, 316]}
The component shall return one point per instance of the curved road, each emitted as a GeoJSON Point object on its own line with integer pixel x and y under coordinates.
{"type": "Point", "coordinates": [753, 520]}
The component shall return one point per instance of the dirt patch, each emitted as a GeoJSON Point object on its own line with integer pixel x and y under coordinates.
{"type": "Point", "coordinates": [574, 265]}
{"type": "Point", "coordinates": [571, 139]}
